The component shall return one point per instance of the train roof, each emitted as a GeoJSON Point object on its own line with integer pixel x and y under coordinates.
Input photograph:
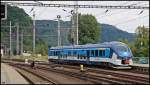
{"type": "Point", "coordinates": [105, 44]}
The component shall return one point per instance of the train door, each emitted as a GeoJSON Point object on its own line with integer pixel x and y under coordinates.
{"type": "Point", "coordinates": [88, 55]}
{"type": "Point", "coordinates": [107, 52]}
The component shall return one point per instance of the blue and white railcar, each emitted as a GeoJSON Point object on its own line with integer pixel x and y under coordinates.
{"type": "Point", "coordinates": [108, 53]}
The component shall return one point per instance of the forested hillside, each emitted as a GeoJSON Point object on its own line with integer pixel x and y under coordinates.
{"type": "Point", "coordinates": [108, 32]}
{"type": "Point", "coordinates": [46, 31]}
{"type": "Point", "coordinates": [16, 15]}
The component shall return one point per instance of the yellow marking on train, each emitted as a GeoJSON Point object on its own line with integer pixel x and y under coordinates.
{"type": "Point", "coordinates": [102, 48]}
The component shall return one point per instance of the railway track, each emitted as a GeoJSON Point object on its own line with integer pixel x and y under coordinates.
{"type": "Point", "coordinates": [111, 75]}
{"type": "Point", "coordinates": [72, 74]}
{"type": "Point", "coordinates": [33, 76]}
{"type": "Point", "coordinates": [46, 77]}
{"type": "Point", "coordinates": [102, 76]}
{"type": "Point", "coordinates": [133, 70]}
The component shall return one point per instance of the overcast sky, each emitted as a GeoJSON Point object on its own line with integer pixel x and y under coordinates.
{"type": "Point", "coordinates": [125, 19]}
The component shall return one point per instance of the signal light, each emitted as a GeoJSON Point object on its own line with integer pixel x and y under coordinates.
{"type": "Point", "coordinates": [3, 11]}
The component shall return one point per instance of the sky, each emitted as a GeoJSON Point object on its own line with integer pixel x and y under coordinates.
{"type": "Point", "coordinates": [125, 19]}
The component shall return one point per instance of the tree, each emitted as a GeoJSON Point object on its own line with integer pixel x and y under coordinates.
{"type": "Point", "coordinates": [89, 30]}
{"type": "Point", "coordinates": [17, 15]}
{"type": "Point", "coordinates": [142, 41]}
{"type": "Point", "coordinates": [41, 47]}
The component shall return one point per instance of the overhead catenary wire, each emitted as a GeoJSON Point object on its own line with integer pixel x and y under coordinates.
{"type": "Point", "coordinates": [79, 6]}
{"type": "Point", "coordinates": [107, 9]}
{"type": "Point", "coordinates": [119, 11]}
{"type": "Point", "coordinates": [127, 21]}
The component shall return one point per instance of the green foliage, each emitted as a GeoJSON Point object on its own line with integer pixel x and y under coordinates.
{"type": "Point", "coordinates": [142, 41]}
{"type": "Point", "coordinates": [49, 27]}
{"type": "Point", "coordinates": [111, 33]}
{"type": "Point", "coordinates": [140, 47]}
{"type": "Point", "coordinates": [41, 47]}
{"type": "Point", "coordinates": [16, 15]}
{"type": "Point", "coordinates": [89, 30]}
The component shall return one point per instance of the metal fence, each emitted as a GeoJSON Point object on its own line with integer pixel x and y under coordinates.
{"type": "Point", "coordinates": [141, 60]}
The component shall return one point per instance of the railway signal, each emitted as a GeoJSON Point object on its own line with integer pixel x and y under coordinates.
{"type": "Point", "coordinates": [3, 11]}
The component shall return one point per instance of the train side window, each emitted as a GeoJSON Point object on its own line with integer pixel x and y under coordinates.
{"type": "Point", "coordinates": [88, 53]}
{"type": "Point", "coordinates": [50, 53]}
{"type": "Point", "coordinates": [75, 52]}
{"type": "Point", "coordinates": [78, 56]}
{"type": "Point", "coordinates": [84, 57]}
{"type": "Point", "coordinates": [100, 52]}
{"type": "Point", "coordinates": [69, 53]}
{"type": "Point", "coordinates": [103, 52]}
{"type": "Point", "coordinates": [92, 52]}
{"type": "Point", "coordinates": [53, 53]}
{"type": "Point", "coordinates": [56, 53]}
{"type": "Point", "coordinates": [96, 52]}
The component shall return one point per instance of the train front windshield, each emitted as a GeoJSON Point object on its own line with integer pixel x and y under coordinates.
{"type": "Point", "coordinates": [123, 51]}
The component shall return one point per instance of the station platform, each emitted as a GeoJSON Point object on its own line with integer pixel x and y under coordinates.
{"type": "Point", "coordinates": [141, 65]}
{"type": "Point", "coordinates": [10, 76]}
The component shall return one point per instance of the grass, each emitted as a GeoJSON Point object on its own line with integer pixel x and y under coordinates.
{"type": "Point", "coordinates": [36, 58]}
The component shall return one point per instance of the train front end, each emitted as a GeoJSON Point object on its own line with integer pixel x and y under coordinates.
{"type": "Point", "coordinates": [123, 55]}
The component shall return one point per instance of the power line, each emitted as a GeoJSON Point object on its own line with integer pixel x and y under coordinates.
{"type": "Point", "coordinates": [104, 12]}
{"type": "Point", "coordinates": [119, 11]}
{"type": "Point", "coordinates": [79, 6]}
{"type": "Point", "coordinates": [131, 20]}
